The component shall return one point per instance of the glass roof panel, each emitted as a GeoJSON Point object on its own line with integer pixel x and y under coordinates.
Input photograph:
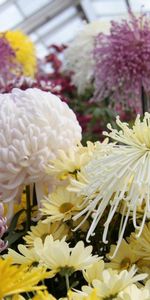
{"type": "Point", "coordinates": [34, 37]}
{"type": "Point", "coordinates": [2, 1]}
{"type": "Point", "coordinates": [65, 33]}
{"type": "Point", "coordinates": [57, 21]}
{"type": "Point", "coordinates": [63, 25]}
{"type": "Point", "coordinates": [28, 7]}
{"type": "Point", "coordinates": [9, 17]}
{"type": "Point", "coordinates": [109, 7]}
{"type": "Point", "coordinates": [140, 5]}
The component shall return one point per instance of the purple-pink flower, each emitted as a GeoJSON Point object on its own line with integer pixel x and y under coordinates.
{"type": "Point", "coordinates": [9, 67]}
{"type": "Point", "coordinates": [122, 62]}
{"type": "Point", "coordinates": [3, 228]}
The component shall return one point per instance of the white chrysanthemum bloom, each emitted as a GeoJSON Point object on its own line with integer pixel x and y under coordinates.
{"type": "Point", "coordinates": [24, 256]}
{"type": "Point", "coordinates": [59, 257]}
{"type": "Point", "coordinates": [79, 295]}
{"type": "Point", "coordinates": [79, 55]}
{"type": "Point", "coordinates": [122, 176]}
{"type": "Point", "coordinates": [34, 125]}
{"type": "Point", "coordinates": [132, 292]}
{"type": "Point", "coordinates": [112, 283]}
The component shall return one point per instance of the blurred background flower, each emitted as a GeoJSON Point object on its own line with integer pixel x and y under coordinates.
{"type": "Point", "coordinates": [25, 51]}
{"type": "Point", "coordinates": [122, 66]}
{"type": "Point", "coordinates": [3, 228]}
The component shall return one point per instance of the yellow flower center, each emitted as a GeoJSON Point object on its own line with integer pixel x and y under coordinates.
{"type": "Point", "coordinates": [63, 176]}
{"type": "Point", "coordinates": [125, 263]}
{"type": "Point", "coordinates": [65, 207]}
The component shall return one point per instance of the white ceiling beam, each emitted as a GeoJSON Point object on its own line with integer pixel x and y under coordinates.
{"type": "Point", "coordinates": [45, 14]}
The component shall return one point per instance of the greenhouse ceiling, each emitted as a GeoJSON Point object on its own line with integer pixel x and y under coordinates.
{"type": "Point", "coordinates": [57, 21]}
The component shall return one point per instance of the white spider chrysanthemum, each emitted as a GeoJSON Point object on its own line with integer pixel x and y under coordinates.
{"type": "Point", "coordinates": [122, 176]}
{"type": "Point", "coordinates": [79, 55]}
{"type": "Point", "coordinates": [34, 125]}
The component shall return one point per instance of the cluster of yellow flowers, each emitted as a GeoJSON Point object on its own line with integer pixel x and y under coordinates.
{"type": "Point", "coordinates": [25, 51]}
{"type": "Point", "coordinates": [53, 248]}
{"type": "Point", "coordinates": [100, 282]}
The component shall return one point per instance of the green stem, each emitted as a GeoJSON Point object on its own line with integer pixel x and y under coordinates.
{"type": "Point", "coordinates": [28, 211]}
{"type": "Point", "coordinates": [67, 282]}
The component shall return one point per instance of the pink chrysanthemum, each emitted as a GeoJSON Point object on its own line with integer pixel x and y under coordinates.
{"type": "Point", "coordinates": [122, 65]}
{"type": "Point", "coordinates": [9, 67]}
{"type": "Point", "coordinates": [3, 228]}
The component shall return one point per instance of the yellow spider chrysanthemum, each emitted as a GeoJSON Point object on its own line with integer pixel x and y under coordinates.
{"type": "Point", "coordinates": [25, 51]}
{"type": "Point", "coordinates": [17, 297]}
{"type": "Point", "coordinates": [43, 295]}
{"type": "Point", "coordinates": [18, 279]}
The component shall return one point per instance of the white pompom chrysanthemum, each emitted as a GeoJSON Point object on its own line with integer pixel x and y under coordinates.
{"type": "Point", "coordinates": [79, 55]}
{"type": "Point", "coordinates": [34, 125]}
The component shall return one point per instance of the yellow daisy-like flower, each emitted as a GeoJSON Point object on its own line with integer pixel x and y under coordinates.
{"type": "Point", "coordinates": [25, 51]}
{"type": "Point", "coordinates": [94, 271]}
{"type": "Point", "coordinates": [141, 244]}
{"type": "Point", "coordinates": [125, 258]}
{"type": "Point", "coordinates": [132, 292]}
{"type": "Point", "coordinates": [112, 283]}
{"type": "Point", "coordinates": [79, 182]}
{"type": "Point", "coordinates": [25, 255]}
{"type": "Point", "coordinates": [69, 163]}
{"type": "Point", "coordinates": [61, 205]}
{"type": "Point", "coordinates": [57, 229]}
{"type": "Point", "coordinates": [60, 258]}
{"type": "Point", "coordinates": [141, 247]}
{"type": "Point", "coordinates": [18, 279]}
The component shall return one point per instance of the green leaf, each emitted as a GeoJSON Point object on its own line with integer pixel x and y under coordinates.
{"type": "Point", "coordinates": [14, 221]}
{"type": "Point", "coordinates": [14, 236]}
